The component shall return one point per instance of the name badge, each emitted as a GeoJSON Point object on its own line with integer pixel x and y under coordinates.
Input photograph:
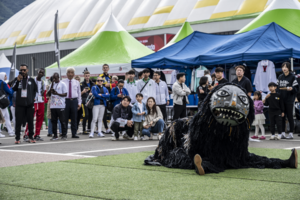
{"type": "Point", "coordinates": [122, 123]}
{"type": "Point", "coordinates": [24, 93]}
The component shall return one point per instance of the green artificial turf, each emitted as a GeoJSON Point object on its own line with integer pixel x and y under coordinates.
{"type": "Point", "coordinates": [125, 177]}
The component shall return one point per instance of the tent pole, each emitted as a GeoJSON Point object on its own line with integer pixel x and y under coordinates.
{"type": "Point", "coordinates": [292, 64]}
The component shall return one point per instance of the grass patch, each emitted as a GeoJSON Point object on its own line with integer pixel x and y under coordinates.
{"type": "Point", "coordinates": [125, 177]}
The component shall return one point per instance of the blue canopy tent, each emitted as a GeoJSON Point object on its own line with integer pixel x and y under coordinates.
{"type": "Point", "coordinates": [270, 42]}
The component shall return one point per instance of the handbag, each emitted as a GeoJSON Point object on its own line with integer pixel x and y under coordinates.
{"type": "Point", "coordinates": [4, 102]}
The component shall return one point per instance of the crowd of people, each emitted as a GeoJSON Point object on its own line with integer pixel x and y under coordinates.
{"type": "Point", "coordinates": [133, 109]}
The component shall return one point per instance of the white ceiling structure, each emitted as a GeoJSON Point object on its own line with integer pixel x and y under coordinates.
{"type": "Point", "coordinates": [80, 19]}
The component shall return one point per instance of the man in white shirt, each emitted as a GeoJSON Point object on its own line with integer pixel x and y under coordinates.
{"type": "Point", "coordinates": [39, 105]}
{"type": "Point", "coordinates": [73, 100]}
{"type": "Point", "coordinates": [162, 94]}
{"type": "Point", "coordinates": [58, 93]}
{"type": "Point", "coordinates": [131, 86]}
{"type": "Point", "coordinates": [146, 86]}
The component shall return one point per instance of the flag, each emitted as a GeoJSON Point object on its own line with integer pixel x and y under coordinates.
{"type": "Point", "coordinates": [13, 64]}
{"type": "Point", "coordinates": [56, 43]}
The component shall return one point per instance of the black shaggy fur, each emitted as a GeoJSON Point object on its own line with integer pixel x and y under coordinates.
{"type": "Point", "coordinates": [221, 147]}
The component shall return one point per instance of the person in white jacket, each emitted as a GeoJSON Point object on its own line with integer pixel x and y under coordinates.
{"type": "Point", "coordinates": [146, 86]}
{"type": "Point", "coordinates": [180, 99]}
{"type": "Point", "coordinates": [162, 94]}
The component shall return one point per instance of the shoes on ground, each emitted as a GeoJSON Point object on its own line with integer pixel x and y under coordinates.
{"type": "Point", "coordinates": [54, 138]}
{"type": "Point", "coordinates": [91, 135]}
{"type": "Point", "coordinates": [160, 136]}
{"type": "Point", "coordinates": [272, 137]}
{"type": "Point", "coordinates": [115, 139]}
{"type": "Point", "coordinates": [64, 137]}
{"type": "Point", "coordinates": [262, 137]}
{"type": "Point", "coordinates": [2, 136]}
{"type": "Point", "coordinates": [151, 136]}
{"type": "Point", "coordinates": [49, 135]}
{"type": "Point", "coordinates": [38, 138]}
{"type": "Point", "coordinates": [75, 136]}
{"type": "Point", "coordinates": [101, 134]}
{"type": "Point", "coordinates": [135, 138]}
{"type": "Point", "coordinates": [254, 137]}
{"type": "Point", "coordinates": [17, 142]}
{"type": "Point", "coordinates": [290, 136]}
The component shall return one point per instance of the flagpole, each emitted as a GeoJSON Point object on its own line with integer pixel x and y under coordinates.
{"type": "Point", "coordinates": [13, 64]}
{"type": "Point", "coordinates": [56, 43]}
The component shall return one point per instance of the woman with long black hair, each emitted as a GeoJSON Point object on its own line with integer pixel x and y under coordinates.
{"type": "Point", "coordinates": [154, 122]}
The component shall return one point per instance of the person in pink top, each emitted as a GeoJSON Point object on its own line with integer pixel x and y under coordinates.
{"type": "Point", "coordinates": [73, 100]}
{"type": "Point", "coordinates": [260, 118]}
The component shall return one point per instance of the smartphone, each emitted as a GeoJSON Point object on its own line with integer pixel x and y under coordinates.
{"type": "Point", "coordinates": [87, 88]}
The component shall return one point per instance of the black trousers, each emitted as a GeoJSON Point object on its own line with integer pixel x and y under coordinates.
{"type": "Point", "coordinates": [88, 116]}
{"type": "Point", "coordinates": [115, 127]}
{"type": "Point", "coordinates": [58, 113]}
{"type": "Point", "coordinates": [71, 113]}
{"type": "Point", "coordinates": [288, 112]}
{"type": "Point", "coordinates": [105, 119]}
{"type": "Point", "coordinates": [24, 112]}
{"type": "Point", "coordinates": [163, 109]}
{"type": "Point", "coordinates": [179, 111]}
{"type": "Point", "coordinates": [275, 119]}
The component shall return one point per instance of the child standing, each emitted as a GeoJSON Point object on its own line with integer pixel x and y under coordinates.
{"type": "Point", "coordinates": [139, 112]}
{"type": "Point", "coordinates": [260, 118]}
{"type": "Point", "coordinates": [114, 80]}
{"type": "Point", "coordinates": [276, 110]}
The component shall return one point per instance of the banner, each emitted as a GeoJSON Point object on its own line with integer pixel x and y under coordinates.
{"type": "Point", "coordinates": [155, 42]}
{"type": "Point", "coordinates": [13, 64]}
{"type": "Point", "coordinates": [56, 44]}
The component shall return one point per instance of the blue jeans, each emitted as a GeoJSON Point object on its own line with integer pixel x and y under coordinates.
{"type": "Point", "coordinates": [50, 126]}
{"type": "Point", "coordinates": [158, 128]}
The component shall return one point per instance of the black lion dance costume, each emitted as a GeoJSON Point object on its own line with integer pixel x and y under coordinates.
{"type": "Point", "coordinates": [216, 138]}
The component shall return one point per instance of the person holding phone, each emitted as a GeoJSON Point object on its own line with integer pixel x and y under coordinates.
{"type": "Point", "coordinates": [58, 93]}
{"type": "Point", "coordinates": [85, 112]}
{"type": "Point", "coordinates": [26, 90]}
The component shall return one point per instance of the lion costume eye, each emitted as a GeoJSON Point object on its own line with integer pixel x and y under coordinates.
{"type": "Point", "coordinates": [244, 99]}
{"type": "Point", "coordinates": [223, 93]}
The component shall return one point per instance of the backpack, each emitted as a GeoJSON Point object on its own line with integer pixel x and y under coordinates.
{"type": "Point", "coordinates": [4, 102]}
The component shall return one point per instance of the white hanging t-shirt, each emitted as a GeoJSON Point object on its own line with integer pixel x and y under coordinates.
{"type": "Point", "coordinates": [58, 101]}
{"type": "Point", "coordinates": [265, 73]}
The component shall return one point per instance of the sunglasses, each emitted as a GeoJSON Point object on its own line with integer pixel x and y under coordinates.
{"type": "Point", "coordinates": [100, 80]}
{"type": "Point", "coordinates": [23, 70]}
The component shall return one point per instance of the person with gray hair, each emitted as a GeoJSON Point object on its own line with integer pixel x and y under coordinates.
{"type": "Point", "coordinates": [207, 74]}
{"type": "Point", "coordinates": [73, 100]}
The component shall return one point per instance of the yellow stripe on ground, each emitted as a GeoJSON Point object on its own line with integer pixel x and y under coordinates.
{"type": "Point", "coordinates": [67, 36]}
{"type": "Point", "coordinates": [174, 21]}
{"type": "Point", "coordinates": [139, 20]}
{"type": "Point", "coordinates": [3, 40]}
{"type": "Point", "coordinates": [15, 34]}
{"type": "Point", "coordinates": [45, 34]}
{"type": "Point", "coordinates": [252, 6]}
{"type": "Point", "coordinates": [164, 9]}
{"type": "Point", "coordinates": [63, 25]}
{"type": "Point", "coordinates": [29, 41]}
{"type": "Point", "coordinates": [223, 14]}
{"type": "Point", "coordinates": [97, 27]}
{"type": "Point", "coordinates": [206, 3]}
{"type": "Point", "coordinates": [20, 39]}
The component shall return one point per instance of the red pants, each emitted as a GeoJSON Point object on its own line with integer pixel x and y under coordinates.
{"type": "Point", "coordinates": [39, 111]}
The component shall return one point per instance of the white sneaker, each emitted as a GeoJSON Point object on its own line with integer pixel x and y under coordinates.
{"type": "Point", "coordinates": [101, 135]}
{"type": "Point", "coordinates": [135, 138]}
{"type": "Point", "coordinates": [272, 137]}
{"type": "Point", "coordinates": [91, 135]}
{"type": "Point", "coordinates": [159, 136]}
{"type": "Point", "coordinates": [114, 139]}
{"type": "Point", "coordinates": [2, 136]}
{"type": "Point", "coordinates": [151, 136]}
{"type": "Point", "coordinates": [290, 136]}
{"type": "Point", "coordinates": [12, 135]}
{"type": "Point", "coordinates": [277, 137]}
{"type": "Point", "coordinates": [142, 138]}
{"type": "Point", "coordinates": [113, 135]}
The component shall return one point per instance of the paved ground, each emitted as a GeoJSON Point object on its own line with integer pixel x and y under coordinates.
{"type": "Point", "coordinates": [49, 151]}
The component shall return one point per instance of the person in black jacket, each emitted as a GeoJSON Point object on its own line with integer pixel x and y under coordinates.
{"type": "Point", "coordinates": [122, 116]}
{"type": "Point", "coordinates": [26, 89]}
{"type": "Point", "coordinates": [84, 112]}
{"type": "Point", "coordinates": [276, 110]}
{"type": "Point", "coordinates": [287, 88]}
{"type": "Point", "coordinates": [202, 89]}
